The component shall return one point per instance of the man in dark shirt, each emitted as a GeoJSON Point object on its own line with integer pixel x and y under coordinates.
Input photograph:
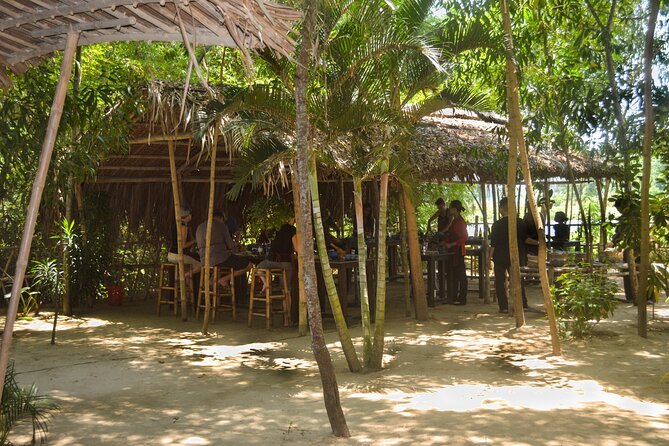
{"type": "Point", "coordinates": [500, 253]}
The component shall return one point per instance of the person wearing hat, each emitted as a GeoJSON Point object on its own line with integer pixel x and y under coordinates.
{"type": "Point", "coordinates": [454, 242]}
{"type": "Point", "coordinates": [561, 231]}
{"type": "Point", "coordinates": [186, 243]}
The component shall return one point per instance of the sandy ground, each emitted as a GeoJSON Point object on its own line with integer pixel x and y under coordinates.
{"type": "Point", "coordinates": [124, 376]}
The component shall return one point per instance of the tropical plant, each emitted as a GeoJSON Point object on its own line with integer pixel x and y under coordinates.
{"type": "Point", "coordinates": [582, 299]}
{"type": "Point", "coordinates": [20, 404]}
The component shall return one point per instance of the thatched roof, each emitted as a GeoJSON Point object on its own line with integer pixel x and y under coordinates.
{"type": "Point", "coordinates": [462, 147]}
{"type": "Point", "coordinates": [31, 30]}
{"type": "Point", "coordinates": [446, 146]}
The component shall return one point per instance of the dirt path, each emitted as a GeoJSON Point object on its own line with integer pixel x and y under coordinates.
{"type": "Point", "coordinates": [126, 377]}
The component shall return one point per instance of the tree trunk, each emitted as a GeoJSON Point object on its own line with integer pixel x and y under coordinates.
{"type": "Point", "coordinates": [415, 262]}
{"type": "Point", "coordinates": [340, 321]}
{"type": "Point", "coordinates": [404, 258]}
{"type": "Point", "coordinates": [362, 274]}
{"type": "Point", "coordinates": [380, 319]}
{"type": "Point", "coordinates": [177, 217]}
{"type": "Point", "coordinates": [35, 198]}
{"type": "Point", "coordinates": [302, 306]}
{"type": "Point", "coordinates": [648, 130]}
{"type": "Point", "coordinates": [321, 354]}
{"type": "Point", "coordinates": [517, 130]}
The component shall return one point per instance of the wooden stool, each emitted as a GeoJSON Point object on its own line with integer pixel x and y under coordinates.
{"type": "Point", "coordinates": [220, 298]}
{"type": "Point", "coordinates": [273, 292]}
{"type": "Point", "coordinates": [168, 269]}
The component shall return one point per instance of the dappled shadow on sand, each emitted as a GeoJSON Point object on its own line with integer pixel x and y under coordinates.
{"type": "Point", "coordinates": [466, 376]}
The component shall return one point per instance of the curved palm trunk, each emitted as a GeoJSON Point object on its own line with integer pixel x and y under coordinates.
{"type": "Point", "coordinates": [321, 353]}
{"type": "Point", "coordinates": [362, 273]}
{"type": "Point", "coordinates": [648, 130]}
{"type": "Point", "coordinates": [376, 361]}
{"type": "Point", "coordinates": [516, 128]}
{"type": "Point", "coordinates": [415, 262]}
{"type": "Point", "coordinates": [340, 322]}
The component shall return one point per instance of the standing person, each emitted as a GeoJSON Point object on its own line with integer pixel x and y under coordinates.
{"type": "Point", "coordinates": [561, 231]}
{"type": "Point", "coordinates": [186, 242]}
{"type": "Point", "coordinates": [443, 218]}
{"type": "Point", "coordinates": [501, 255]}
{"type": "Point", "coordinates": [455, 241]}
{"type": "Point", "coordinates": [222, 247]}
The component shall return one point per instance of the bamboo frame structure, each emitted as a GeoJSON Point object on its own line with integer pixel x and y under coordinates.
{"type": "Point", "coordinates": [36, 198]}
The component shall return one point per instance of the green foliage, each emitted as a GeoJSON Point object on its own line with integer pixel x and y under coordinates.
{"type": "Point", "coordinates": [267, 213]}
{"type": "Point", "coordinates": [20, 404]}
{"type": "Point", "coordinates": [47, 280]}
{"type": "Point", "coordinates": [582, 299]}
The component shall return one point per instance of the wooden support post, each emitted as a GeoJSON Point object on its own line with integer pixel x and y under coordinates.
{"type": "Point", "coordinates": [342, 215]}
{"type": "Point", "coordinates": [207, 249]}
{"type": "Point", "coordinates": [177, 218]}
{"type": "Point", "coordinates": [36, 198]}
{"type": "Point", "coordinates": [484, 246]}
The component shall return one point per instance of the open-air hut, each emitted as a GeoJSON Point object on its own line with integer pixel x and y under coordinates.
{"type": "Point", "coordinates": [31, 31]}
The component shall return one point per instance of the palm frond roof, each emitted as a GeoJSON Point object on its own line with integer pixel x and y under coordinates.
{"type": "Point", "coordinates": [32, 30]}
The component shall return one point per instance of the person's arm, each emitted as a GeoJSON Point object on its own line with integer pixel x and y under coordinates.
{"type": "Point", "coordinates": [184, 238]}
{"type": "Point", "coordinates": [431, 219]}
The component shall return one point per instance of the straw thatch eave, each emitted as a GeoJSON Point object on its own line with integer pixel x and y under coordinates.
{"type": "Point", "coordinates": [451, 146]}
{"type": "Point", "coordinates": [32, 30]}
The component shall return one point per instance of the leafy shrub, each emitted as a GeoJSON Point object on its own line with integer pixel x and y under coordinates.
{"type": "Point", "coordinates": [582, 299]}
{"type": "Point", "coordinates": [20, 404]}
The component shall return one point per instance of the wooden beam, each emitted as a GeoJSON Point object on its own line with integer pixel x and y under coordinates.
{"type": "Point", "coordinates": [69, 10]}
{"type": "Point", "coordinates": [160, 138]}
{"type": "Point", "coordinates": [84, 26]}
{"type": "Point", "coordinates": [36, 198]}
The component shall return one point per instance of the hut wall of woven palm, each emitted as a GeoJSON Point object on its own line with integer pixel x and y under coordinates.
{"type": "Point", "coordinates": [452, 146]}
{"type": "Point", "coordinates": [32, 30]}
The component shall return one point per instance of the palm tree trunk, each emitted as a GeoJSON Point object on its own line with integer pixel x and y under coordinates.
{"type": "Point", "coordinates": [516, 128]}
{"type": "Point", "coordinates": [302, 307]}
{"type": "Point", "coordinates": [318, 346]}
{"type": "Point", "coordinates": [35, 198]}
{"type": "Point", "coordinates": [404, 258]}
{"type": "Point", "coordinates": [376, 361]}
{"type": "Point", "coordinates": [648, 130]}
{"type": "Point", "coordinates": [362, 273]}
{"type": "Point", "coordinates": [415, 262]}
{"type": "Point", "coordinates": [340, 321]}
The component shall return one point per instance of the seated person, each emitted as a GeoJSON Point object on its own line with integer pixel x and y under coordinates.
{"type": "Point", "coordinates": [281, 251]}
{"type": "Point", "coordinates": [222, 248]}
{"type": "Point", "coordinates": [332, 242]}
{"type": "Point", "coordinates": [561, 231]}
{"type": "Point", "coordinates": [186, 242]}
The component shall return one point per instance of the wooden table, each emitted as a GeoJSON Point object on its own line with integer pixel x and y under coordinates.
{"type": "Point", "coordinates": [432, 258]}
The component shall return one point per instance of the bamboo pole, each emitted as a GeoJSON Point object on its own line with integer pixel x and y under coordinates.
{"type": "Point", "coordinates": [343, 206]}
{"type": "Point", "coordinates": [35, 198]}
{"type": "Point", "coordinates": [177, 218]}
{"type": "Point", "coordinates": [382, 251]}
{"type": "Point", "coordinates": [362, 274]}
{"type": "Point", "coordinates": [515, 125]}
{"type": "Point", "coordinates": [207, 249]}
{"type": "Point", "coordinates": [484, 245]}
